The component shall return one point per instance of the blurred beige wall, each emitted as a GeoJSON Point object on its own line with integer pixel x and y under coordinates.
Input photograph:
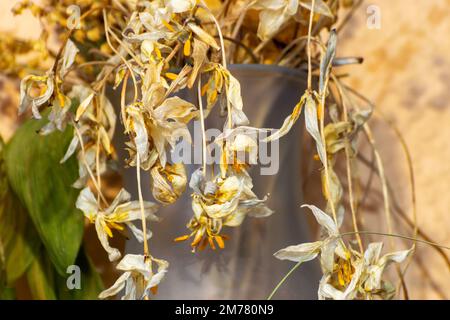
{"type": "Point", "coordinates": [407, 74]}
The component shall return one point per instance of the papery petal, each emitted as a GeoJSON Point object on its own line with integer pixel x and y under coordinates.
{"type": "Point", "coordinates": [133, 211]}
{"type": "Point", "coordinates": [68, 58]}
{"type": "Point", "coordinates": [83, 106]}
{"type": "Point", "coordinates": [179, 6]}
{"type": "Point", "coordinates": [320, 7]}
{"type": "Point", "coordinates": [372, 253]}
{"type": "Point", "coordinates": [139, 235]}
{"type": "Point", "coordinates": [121, 197]}
{"type": "Point", "coordinates": [324, 220]}
{"type": "Point", "coordinates": [159, 275]}
{"type": "Point", "coordinates": [116, 287]}
{"type": "Point", "coordinates": [300, 253]}
{"type": "Point", "coordinates": [87, 203]}
{"type": "Point", "coordinates": [134, 263]}
{"type": "Point", "coordinates": [327, 254]}
{"type": "Point", "coordinates": [312, 125]}
{"type": "Point", "coordinates": [71, 149]}
{"type": "Point", "coordinates": [270, 22]}
{"type": "Point", "coordinates": [196, 180]}
{"type": "Point", "coordinates": [203, 35]}
{"type": "Point", "coordinates": [113, 253]}
{"type": "Point", "coordinates": [175, 108]}
{"type": "Point", "coordinates": [287, 124]}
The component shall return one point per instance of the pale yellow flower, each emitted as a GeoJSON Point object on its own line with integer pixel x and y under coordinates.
{"type": "Point", "coordinates": [121, 212]}
{"type": "Point", "coordinates": [220, 203]}
{"type": "Point", "coordinates": [138, 277]}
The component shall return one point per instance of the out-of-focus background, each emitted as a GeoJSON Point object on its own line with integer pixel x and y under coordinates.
{"type": "Point", "coordinates": [406, 73]}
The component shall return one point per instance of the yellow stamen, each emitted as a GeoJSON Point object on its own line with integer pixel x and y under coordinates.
{"type": "Point", "coordinates": [158, 52]}
{"type": "Point", "coordinates": [187, 47]}
{"type": "Point", "coordinates": [171, 76]}
{"type": "Point", "coordinates": [115, 226]}
{"type": "Point", "coordinates": [204, 88]}
{"type": "Point", "coordinates": [220, 242]}
{"type": "Point", "coordinates": [182, 238]}
{"type": "Point", "coordinates": [211, 243]}
{"type": "Point", "coordinates": [107, 230]}
{"type": "Point", "coordinates": [167, 25]}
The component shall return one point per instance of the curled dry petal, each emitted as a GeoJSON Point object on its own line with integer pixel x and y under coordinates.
{"type": "Point", "coordinates": [300, 253]}
{"type": "Point", "coordinates": [168, 183]}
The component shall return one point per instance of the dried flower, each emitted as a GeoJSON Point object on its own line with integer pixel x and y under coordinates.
{"type": "Point", "coordinates": [138, 278]}
{"type": "Point", "coordinates": [121, 211]}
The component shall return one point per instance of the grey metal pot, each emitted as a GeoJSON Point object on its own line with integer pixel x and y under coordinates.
{"type": "Point", "coordinates": [246, 268]}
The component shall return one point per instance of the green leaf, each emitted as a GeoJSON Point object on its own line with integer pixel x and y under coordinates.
{"type": "Point", "coordinates": [41, 278]}
{"type": "Point", "coordinates": [7, 293]}
{"type": "Point", "coordinates": [91, 283]}
{"type": "Point", "coordinates": [44, 186]}
{"type": "Point", "coordinates": [18, 238]}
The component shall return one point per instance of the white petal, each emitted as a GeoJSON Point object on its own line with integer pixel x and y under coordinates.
{"type": "Point", "coordinates": [87, 202]}
{"type": "Point", "coordinates": [398, 257]}
{"type": "Point", "coordinates": [71, 149]}
{"type": "Point", "coordinates": [83, 106]}
{"type": "Point", "coordinates": [138, 232]}
{"type": "Point", "coordinates": [327, 291]}
{"type": "Point", "coordinates": [116, 287]}
{"type": "Point", "coordinates": [300, 253]}
{"type": "Point", "coordinates": [133, 210]}
{"type": "Point", "coordinates": [324, 220]}
{"type": "Point", "coordinates": [157, 277]}
{"type": "Point", "coordinates": [122, 196]}
{"type": "Point", "coordinates": [135, 263]}
{"type": "Point", "coordinates": [312, 125]}
{"type": "Point", "coordinates": [327, 254]}
{"type": "Point", "coordinates": [70, 51]}
{"type": "Point", "coordinates": [372, 253]}
{"type": "Point", "coordinates": [113, 253]}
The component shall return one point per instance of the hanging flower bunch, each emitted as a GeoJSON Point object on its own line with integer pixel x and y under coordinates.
{"type": "Point", "coordinates": [151, 50]}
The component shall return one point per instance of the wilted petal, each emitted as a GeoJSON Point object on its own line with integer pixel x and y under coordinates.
{"type": "Point", "coordinates": [327, 291]}
{"type": "Point", "coordinates": [113, 253]}
{"type": "Point", "coordinates": [83, 106]}
{"type": "Point", "coordinates": [141, 135]}
{"type": "Point", "coordinates": [158, 276]}
{"type": "Point", "coordinates": [176, 109]}
{"type": "Point", "coordinates": [69, 53]}
{"type": "Point", "coordinates": [87, 203]}
{"type": "Point", "coordinates": [196, 180]}
{"type": "Point", "coordinates": [121, 197]}
{"type": "Point", "coordinates": [327, 254]}
{"type": "Point", "coordinates": [203, 35]}
{"type": "Point", "coordinates": [71, 149]}
{"type": "Point", "coordinates": [312, 125]}
{"type": "Point", "coordinates": [133, 211]}
{"type": "Point", "coordinates": [179, 6]}
{"type": "Point", "coordinates": [320, 7]}
{"type": "Point", "coordinates": [270, 22]}
{"type": "Point", "coordinates": [324, 220]}
{"type": "Point", "coordinates": [134, 263]}
{"type": "Point", "coordinates": [139, 235]}
{"type": "Point", "coordinates": [300, 253]}
{"type": "Point", "coordinates": [116, 287]}
{"type": "Point", "coordinates": [287, 124]}
{"type": "Point", "coordinates": [372, 253]}
{"type": "Point", "coordinates": [168, 183]}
